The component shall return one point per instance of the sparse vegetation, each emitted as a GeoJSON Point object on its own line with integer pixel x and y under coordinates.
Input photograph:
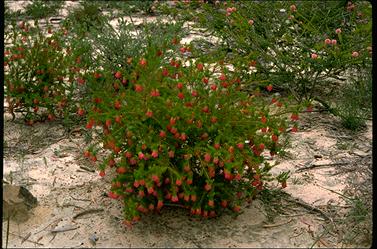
{"type": "Point", "coordinates": [197, 126]}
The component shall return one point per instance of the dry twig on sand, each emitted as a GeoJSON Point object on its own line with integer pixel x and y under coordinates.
{"type": "Point", "coordinates": [26, 239]}
{"type": "Point", "coordinates": [277, 224]}
{"type": "Point", "coordinates": [54, 222]}
{"type": "Point", "coordinates": [87, 169]}
{"type": "Point", "coordinates": [312, 166]}
{"type": "Point", "coordinates": [89, 211]}
{"type": "Point", "coordinates": [78, 199]}
{"type": "Point", "coordinates": [310, 207]}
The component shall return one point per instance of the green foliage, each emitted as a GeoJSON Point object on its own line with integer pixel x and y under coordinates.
{"type": "Point", "coordinates": [10, 15]}
{"type": "Point", "coordinates": [86, 18]}
{"type": "Point", "coordinates": [35, 10]}
{"type": "Point", "coordinates": [123, 8]}
{"type": "Point", "coordinates": [172, 130]}
{"type": "Point", "coordinates": [41, 9]}
{"type": "Point", "coordinates": [273, 202]}
{"type": "Point", "coordinates": [278, 40]}
{"type": "Point", "coordinates": [36, 71]}
{"type": "Point", "coordinates": [169, 122]}
{"type": "Point", "coordinates": [354, 102]}
{"type": "Point", "coordinates": [111, 48]}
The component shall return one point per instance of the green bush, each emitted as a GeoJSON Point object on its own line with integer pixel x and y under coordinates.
{"type": "Point", "coordinates": [172, 131]}
{"type": "Point", "coordinates": [38, 73]}
{"type": "Point", "coordinates": [41, 9]}
{"type": "Point", "coordinates": [35, 10]}
{"type": "Point", "coordinates": [85, 19]}
{"type": "Point", "coordinates": [300, 47]}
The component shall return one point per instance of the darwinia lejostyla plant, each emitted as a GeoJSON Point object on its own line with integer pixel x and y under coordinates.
{"type": "Point", "coordinates": [174, 131]}
{"type": "Point", "coordinates": [40, 69]}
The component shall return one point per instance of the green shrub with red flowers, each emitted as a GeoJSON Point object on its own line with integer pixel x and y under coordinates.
{"type": "Point", "coordinates": [40, 76]}
{"type": "Point", "coordinates": [305, 48]}
{"type": "Point", "coordinates": [170, 130]}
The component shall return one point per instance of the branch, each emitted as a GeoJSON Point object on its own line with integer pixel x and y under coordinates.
{"type": "Point", "coordinates": [277, 224]}
{"type": "Point", "coordinates": [311, 208]}
{"type": "Point", "coordinates": [321, 165]}
{"type": "Point", "coordinates": [89, 211]}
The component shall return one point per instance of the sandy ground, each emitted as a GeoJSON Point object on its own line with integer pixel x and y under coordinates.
{"type": "Point", "coordinates": [47, 162]}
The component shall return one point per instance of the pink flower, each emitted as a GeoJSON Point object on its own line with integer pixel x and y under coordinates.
{"type": "Point", "coordinates": [207, 157]}
{"type": "Point", "coordinates": [155, 93]}
{"type": "Point", "coordinates": [154, 154]}
{"type": "Point", "coordinates": [113, 195]}
{"type": "Point", "coordinates": [328, 41]}
{"type": "Point", "coordinates": [250, 22]}
{"type": "Point", "coordinates": [338, 31]}
{"type": "Point", "coordinates": [355, 54]}
{"type": "Point", "coordinates": [293, 8]}
{"type": "Point", "coordinates": [333, 42]}
{"type": "Point", "coordinates": [230, 10]}
{"type": "Point", "coordinates": [171, 154]}
{"type": "Point", "coordinates": [314, 56]}
{"type": "Point", "coordinates": [141, 155]}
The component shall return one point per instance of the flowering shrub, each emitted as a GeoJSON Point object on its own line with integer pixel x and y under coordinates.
{"type": "Point", "coordinates": [39, 78]}
{"type": "Point", "coordinates": [176, 131]}
{"type": "Point", "coordinates": [169, 129]}
{"type": "Point", "coordinates": [303, 47]}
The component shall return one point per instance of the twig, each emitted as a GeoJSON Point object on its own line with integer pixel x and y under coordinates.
{"type": "Point", "coordinates": [321, 165]}
{"type": "Point", "coordinates": [294, 236]}
{"type": "Point", "coordinates": [19, 236]}
{"type": "Point", "coordinates": [26, 237]}
{"type": "Point", "coordinates": [71, 205]}
{"type": "Point", "coordinates": [277, 224]}
{"type": "Point", "coordinates": [319, 239]}
{"type": "Point", "coordinates": [311, 208]}
{"type": "Point", "coordinates": [53, 237]}
{"type": "Point", "coordinates": [6, 243]}
{"type": "Point", "coordinates": [87, 169]}
{"type": "Point", "coordinates": [48, 226]}
{"type": "Point", "coordinates": [89, 211]}
{"type": "Point", "coordinates": [78, 199]}
{"type": "Point", "coordinates": [292, 215]}
{"type": "Point", "coordinates": [63, 229]}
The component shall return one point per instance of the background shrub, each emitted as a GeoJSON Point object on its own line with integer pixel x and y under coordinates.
{"type": "Point", "coordinates": [35, 10]}
{"type": "Point", "coordinates": [307, 49]}
{"type": "Point", "coordinates": [39, 74]}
